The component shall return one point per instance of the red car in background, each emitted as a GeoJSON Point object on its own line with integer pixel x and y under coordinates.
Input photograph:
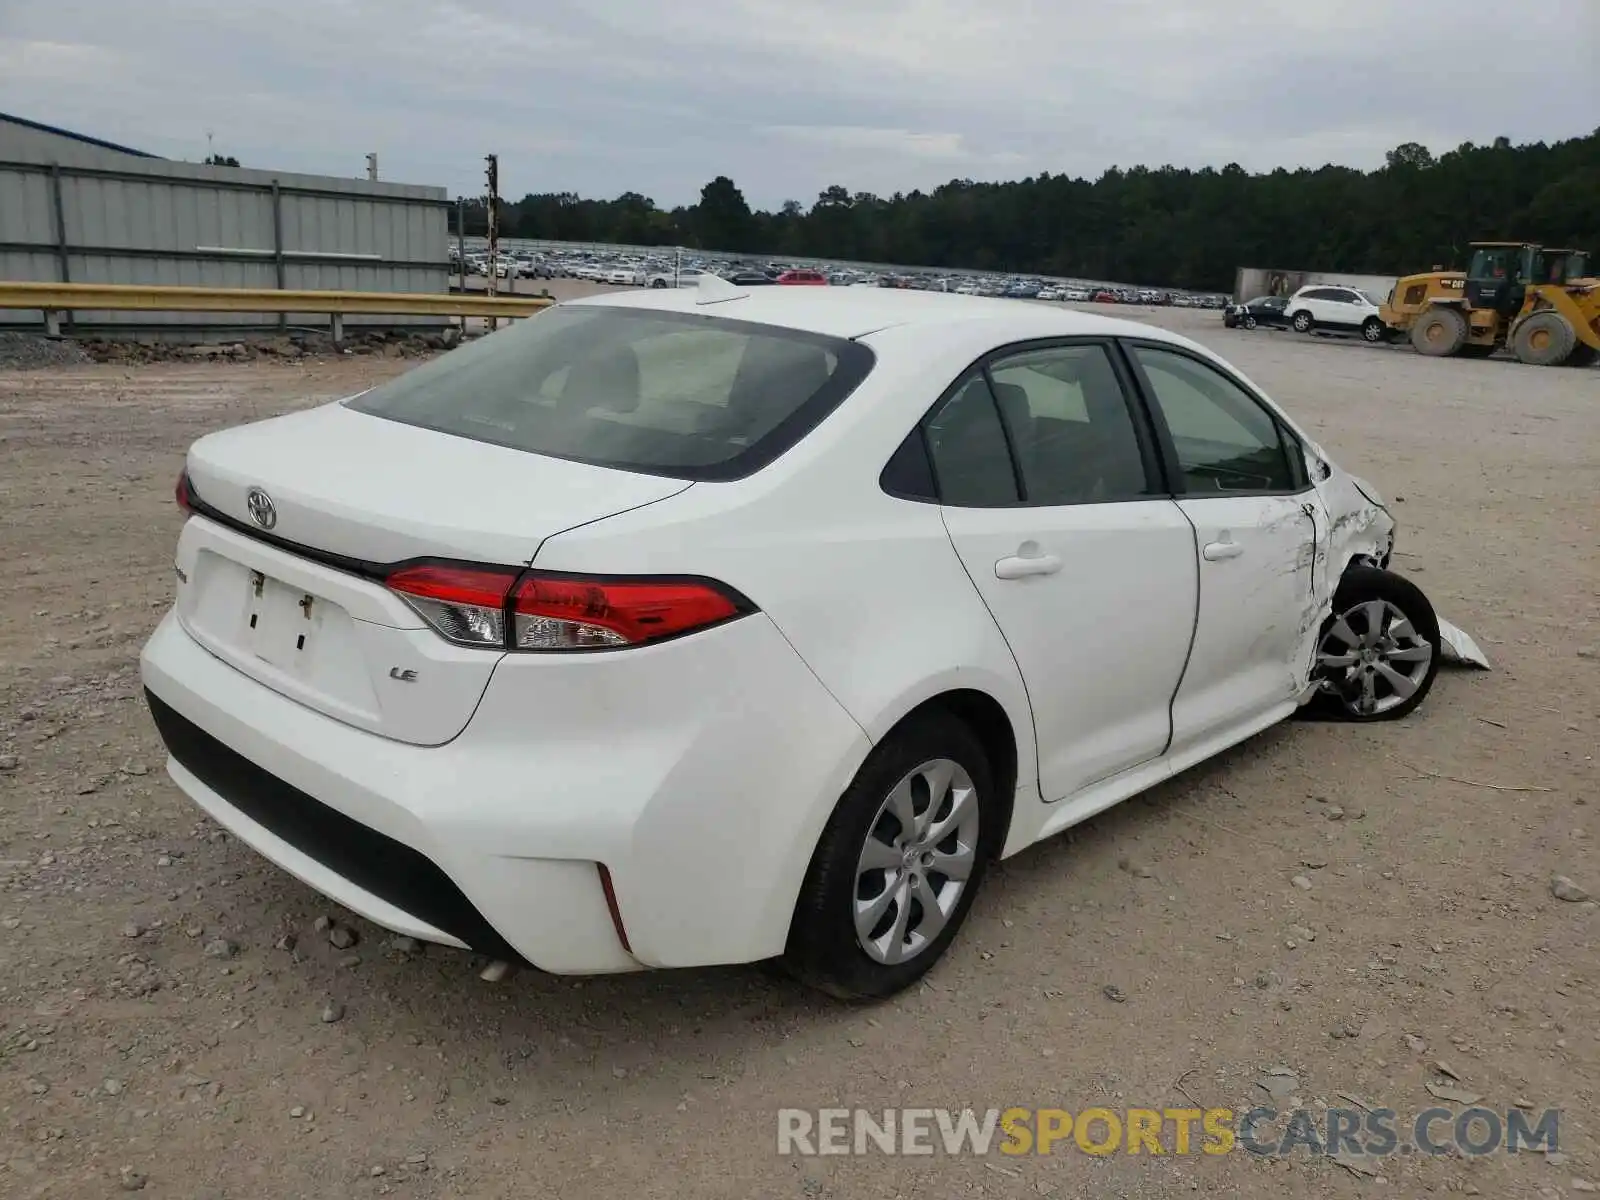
{"type": "Point", "coordinates": [804, 278]}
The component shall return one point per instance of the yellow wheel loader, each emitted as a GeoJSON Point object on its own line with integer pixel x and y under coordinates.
{"type": "Point", "coordinates": [1540, 303]}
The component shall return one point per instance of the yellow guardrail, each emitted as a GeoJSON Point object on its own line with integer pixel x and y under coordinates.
{"type": "Point", "coordinates": [56, 298]}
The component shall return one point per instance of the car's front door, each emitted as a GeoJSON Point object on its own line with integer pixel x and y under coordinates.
{"type": "Point", "coordinates": [1051, 490]}
{"type": "Point", "coordinates": [1243, 484]}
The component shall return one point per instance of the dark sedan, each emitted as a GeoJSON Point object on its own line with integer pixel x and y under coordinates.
{"type": "Point", "coordinates": [1263, 310]}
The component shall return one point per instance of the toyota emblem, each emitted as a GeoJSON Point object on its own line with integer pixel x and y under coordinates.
{"type": "Point", "coordinates": [261, 508]}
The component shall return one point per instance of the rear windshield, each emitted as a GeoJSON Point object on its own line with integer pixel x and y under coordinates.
{"type": "Point", "coordinates": [682, 395]}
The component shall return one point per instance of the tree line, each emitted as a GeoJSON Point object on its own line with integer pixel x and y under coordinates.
{"type": "Point", "coordinates": [1164, 226]}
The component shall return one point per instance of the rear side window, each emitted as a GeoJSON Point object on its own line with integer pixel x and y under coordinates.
{"type": "Point", "coordinates": [682, 395]}
{"type": "Point", "coordinates": [971, 462]}
{"type": "Point", "coordinates": [1069, 425]}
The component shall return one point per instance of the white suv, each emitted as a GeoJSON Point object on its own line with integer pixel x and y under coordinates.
{"type": "Point", "coordinates": [1336, 308]}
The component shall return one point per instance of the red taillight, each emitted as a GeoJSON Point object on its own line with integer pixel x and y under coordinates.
{"type": "Point", "coordinates": [466, 605]}
{"type": "Point", "coordinates": [470, 606]}
{"type": "Point", "coordinates": [180, 493]}
{"type": "Point", "coordinates": [555, 612]}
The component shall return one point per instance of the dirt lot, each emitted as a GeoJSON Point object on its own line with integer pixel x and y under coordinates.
{"type": "Point", "coordinates": [155, 1031]}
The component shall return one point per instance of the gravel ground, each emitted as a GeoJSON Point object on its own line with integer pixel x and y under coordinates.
{"type": "Point", "coordinates": [1354, 906]}
{"type": "Point", "coordinates": [26, 351]}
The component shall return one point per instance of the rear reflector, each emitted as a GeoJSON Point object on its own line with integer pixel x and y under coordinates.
{"type": "Point", "coordinates": [612, 907]}
{"type": "Point", "coordinates": [181, 493]}
{"type": "Point", "coordinates": [505, 608]}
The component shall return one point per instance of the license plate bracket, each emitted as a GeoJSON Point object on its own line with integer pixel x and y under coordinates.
{"type": "Point", "coordinates": [279, 622]}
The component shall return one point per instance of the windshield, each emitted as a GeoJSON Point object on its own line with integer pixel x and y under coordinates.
{"type": "Point", "coordinates": [683, 395]}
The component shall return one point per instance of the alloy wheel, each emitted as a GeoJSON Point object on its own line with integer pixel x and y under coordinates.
{"type": "Point", "coordinates": [1372, 658]}
{"type": "Point", "coordinates": [920, 850]}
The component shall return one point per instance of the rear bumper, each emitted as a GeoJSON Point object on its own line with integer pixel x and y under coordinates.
{"type": "Point", "coordinates": [699, 772]}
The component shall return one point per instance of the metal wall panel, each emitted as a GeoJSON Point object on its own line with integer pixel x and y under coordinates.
{"type": "Point", "coordinates": [25, 209]}
{"type": "Point", "coordinates": [135, 220]}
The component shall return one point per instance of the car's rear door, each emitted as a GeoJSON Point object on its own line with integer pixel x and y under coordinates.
{"type": "Point", "coordinates": [1051, 490]}
{"type": "Point", "coordinates": [1311, 300]}
{"type": "Point", "coordinates": [1243, 485]}
{"type": "Point", "coordinates": [1344, 307]}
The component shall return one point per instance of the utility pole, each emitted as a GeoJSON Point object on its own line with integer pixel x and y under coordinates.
{"type": "Point", "coordinates": [372, 166]}
{"type": "Point", "coordinates": [493, 174]}
{"type": "Point", "coordinates": [461, 248]}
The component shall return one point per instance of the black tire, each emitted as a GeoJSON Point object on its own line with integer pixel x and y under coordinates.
{"type": "Point", "coordinates": [1374, 331]}
{"type": "Point", "coordinates": [658, 283]}
{"type": "Point", "coordinates": [1543, 340]}
{"type": "Point", "coordinates": [1250, 322]}
{"type": "Point", "coordinates": [823, 950]}
{"type": "Point", "coordinates": [1582, 356]}
{"type": "Point", "coordinates": [1439, 332]}
{"type": "Point", "coordinates": [1301, 321]}
{"type": "Point", "coordinates": [1341, 693]}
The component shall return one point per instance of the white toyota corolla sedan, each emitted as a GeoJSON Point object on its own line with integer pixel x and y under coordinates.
{"type": "Point", "coordinates": [708, 626]}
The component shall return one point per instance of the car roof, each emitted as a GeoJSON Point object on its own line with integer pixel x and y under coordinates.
{"type": "Point", "coordinates": [856, 312]}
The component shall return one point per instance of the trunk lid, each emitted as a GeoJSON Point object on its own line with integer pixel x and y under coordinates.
{"type": "Point", "coordinates": [380, 491]}
{"type": "Point", "coordinates": [300, 606]}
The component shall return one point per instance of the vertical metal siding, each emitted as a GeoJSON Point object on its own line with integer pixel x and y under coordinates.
{"type": "Point", "coordinates": [25, 214]}
{"type": "Point", "coordinates": [175, 221]}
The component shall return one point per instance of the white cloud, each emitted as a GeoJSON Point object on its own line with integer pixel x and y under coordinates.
{"type": "Point", "coordinates": [945, 147]}
{"type": "Point", "coordinates": [602, 96]}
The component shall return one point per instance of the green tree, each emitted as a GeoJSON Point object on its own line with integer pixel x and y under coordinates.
{"type": "Point", "coordinates": [1162, 226]}
{"type": "Point", "coordinates": [723, 218]}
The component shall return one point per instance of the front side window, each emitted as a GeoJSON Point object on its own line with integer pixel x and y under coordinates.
{"type": "Point", "coordinates": [1070, 427]}
{"type": "Point", "coordinates": [1225, 441]}
{"type": "Point", "coordinates": [682, 395]}
{"type": "Point", "coordinates": [1491, 263]}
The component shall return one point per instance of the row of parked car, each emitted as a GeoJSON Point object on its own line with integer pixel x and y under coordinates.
{"type": "Point", "coordinates": [1319, 306]}
{"type": "Point", "coordinates": [626, 269]}
{"type": "Point", "coordinates": [636, 271]}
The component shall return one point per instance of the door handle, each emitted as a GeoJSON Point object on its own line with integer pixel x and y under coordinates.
{"type": "Point", "coordinates": [1217, 551]}
{"type": "Point", "coordinates": [1017, 567]}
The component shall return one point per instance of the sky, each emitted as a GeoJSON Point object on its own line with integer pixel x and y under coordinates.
{"type": "Point", "coordinates": [788, 97]}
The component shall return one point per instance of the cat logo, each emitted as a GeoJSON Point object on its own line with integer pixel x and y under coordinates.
{"type": "Point", "coordinates": [403, 674]}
